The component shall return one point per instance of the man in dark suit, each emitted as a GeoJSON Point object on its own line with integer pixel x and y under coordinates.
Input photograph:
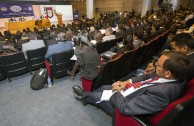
{"type": "Point", "coordinates": [12, 19]}
{"type": "Point", "coordinates": [151, 96]}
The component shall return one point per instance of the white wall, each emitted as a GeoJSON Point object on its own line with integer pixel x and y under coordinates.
{"type": "Point", "coordinates": [65, 10]}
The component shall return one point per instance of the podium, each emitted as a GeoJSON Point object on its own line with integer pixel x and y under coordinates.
{"type": "Point", "coordinates": [46, 23]}
{"type": "Point", "coordinates": [60, 22]}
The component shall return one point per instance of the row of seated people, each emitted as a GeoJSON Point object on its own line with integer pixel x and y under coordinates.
{"type": "Point", "coordinates": [45, 32]}
{"type": "Point", "coordinates": [151, 96]}
{"type": "Point", "coordinates": [133, 40]}
{"type": "Point", "coordinates": [126, 106]}
{"type": "Point", "coordinates": [31, 45]}
{"type": "Point", "coordinates": [85, 44]}
{"type": "Point", "coordinates": [128, 58]}
{"type": "Point", "coordinates": [116, 77]}
{"type": "Point", "coordinates": [145, 52]}
{"type": "Point", "coordinates": [133, 25]}
{"type": "Point", "coordinates": [51, 49]}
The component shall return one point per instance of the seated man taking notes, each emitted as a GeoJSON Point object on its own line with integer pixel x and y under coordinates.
{"type": "Point", "coordinates": [146, 94]}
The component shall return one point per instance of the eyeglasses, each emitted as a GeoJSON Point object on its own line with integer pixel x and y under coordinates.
{"type": "Point", "coordinates": [155, 64]}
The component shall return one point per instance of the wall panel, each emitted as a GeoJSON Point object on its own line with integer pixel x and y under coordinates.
{"type": "Point", "coordinates": [120, 5]}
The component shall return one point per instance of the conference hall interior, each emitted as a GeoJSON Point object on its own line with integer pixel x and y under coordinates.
{"type": "Point", "coordinates": [96, 62]}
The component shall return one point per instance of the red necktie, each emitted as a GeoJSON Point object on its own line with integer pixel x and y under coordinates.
{"type": "Point", "coordinates": [139, 84]}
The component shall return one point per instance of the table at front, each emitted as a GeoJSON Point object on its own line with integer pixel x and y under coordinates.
{"type": "Point", "coordinates": [14, 26]}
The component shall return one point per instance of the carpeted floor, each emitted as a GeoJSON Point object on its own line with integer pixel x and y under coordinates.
{"type": "Point", "coordinates": [54, 106]}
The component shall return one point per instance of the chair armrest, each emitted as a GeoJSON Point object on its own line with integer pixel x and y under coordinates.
{"type": "Point", "coordinates": [125, 120]}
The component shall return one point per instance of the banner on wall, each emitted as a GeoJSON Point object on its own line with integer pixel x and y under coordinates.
{"type": "Point", "coordinates": [49, 12]}
{"type": "Point", "coordinates": [28, 0]}
{"type": "Point", "coordinates": [75, 15]}
{"type": "Point", "coordinates": [9, 10]}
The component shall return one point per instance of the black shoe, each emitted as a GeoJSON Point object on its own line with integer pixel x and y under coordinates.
{"type": "Point", "coordinates": [78, 93]}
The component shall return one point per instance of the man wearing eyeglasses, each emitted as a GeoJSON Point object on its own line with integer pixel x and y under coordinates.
{"type": "Point", "coordinates": [145, 94]}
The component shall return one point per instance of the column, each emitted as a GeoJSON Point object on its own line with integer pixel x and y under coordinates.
{"type": "Point", "coordinates": [145, 7]}
{"type": "Point", "coordinates": [90, 8]}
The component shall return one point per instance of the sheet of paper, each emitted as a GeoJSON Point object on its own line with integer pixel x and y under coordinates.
{"type": "Point", "coordinates": [106, 94]}
{"type": "Point", "coordinates": [73, 57]}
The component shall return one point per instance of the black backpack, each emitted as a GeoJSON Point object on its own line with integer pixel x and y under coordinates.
{"type": "Point", "coordinates": [39, 79]}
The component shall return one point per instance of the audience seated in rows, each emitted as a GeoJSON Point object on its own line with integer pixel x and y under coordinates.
{"type": "Point", "coordinates": [88, 59]}
{"type": "Point", "coordinates": [148, 94]}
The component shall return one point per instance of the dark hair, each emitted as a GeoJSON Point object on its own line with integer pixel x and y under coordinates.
{"type": "Point", "coordinates": [28, 29]}
{"type": "Point", "coordinates": [138, 34]}
{"type": "Point", "coordinates": [84, 38]}
{"type": "Point", "coordinates": [183, 39]}
{"type": "Point", "coordinates": [24, 30]}
{"type": "Point", "coordinates": [177, 64]}
{"type": "Point", "coordinates": [76, 41]}
{"type": "Point", "coordinates": [127, 40]}
{"type": "Point", "coordinates": [98, 36]}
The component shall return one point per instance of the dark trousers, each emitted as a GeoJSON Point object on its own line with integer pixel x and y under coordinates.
{"type": "Point", "coordinates": [95, 96]}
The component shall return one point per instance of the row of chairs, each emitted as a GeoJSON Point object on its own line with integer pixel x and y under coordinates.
{"type": "Point", "coordinates": [105, 46]}
{"type": "Point", "coordinates": [16, 64]}
{"type": "Point", "coordinates": [47, 42]}
{"type": "Point", "coordinates": [116, 69]}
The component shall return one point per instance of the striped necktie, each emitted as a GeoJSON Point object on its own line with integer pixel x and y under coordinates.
{"type": "Point", "coordinates": [139, 84]}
